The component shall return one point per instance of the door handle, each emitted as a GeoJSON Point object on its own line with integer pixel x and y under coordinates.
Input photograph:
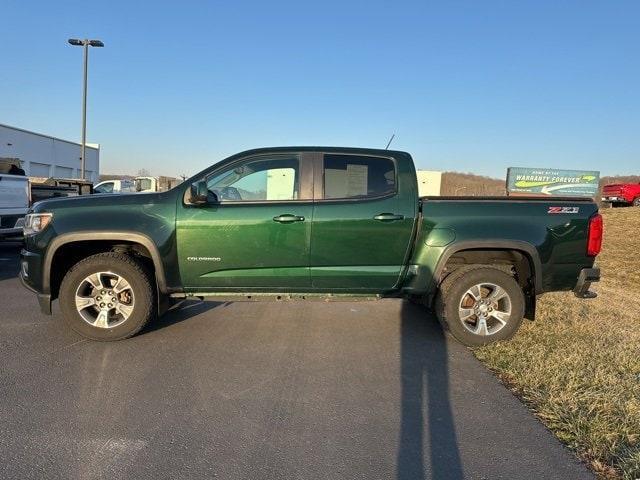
{"type": "Point", "coordinates": [388, 217]}
{"type": "Point", "coordinates": [288, 218]}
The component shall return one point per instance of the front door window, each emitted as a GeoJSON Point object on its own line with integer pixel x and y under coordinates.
{"type": "Point", "coordinates": [263, 180]}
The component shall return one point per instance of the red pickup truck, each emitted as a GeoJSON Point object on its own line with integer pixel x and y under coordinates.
{"type": "Point", "coordinates": [620, 194]}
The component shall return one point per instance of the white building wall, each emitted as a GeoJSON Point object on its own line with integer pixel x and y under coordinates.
{"type": "Point", "coordinates": [46, 156]}
{"type": "Point", "coordinates": [429, 183]}
{"type": "Point", "coordinates": [280, 183]}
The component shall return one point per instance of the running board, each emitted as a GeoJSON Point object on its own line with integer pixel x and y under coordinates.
{"type": "Point", "coordinates": [283, 297]}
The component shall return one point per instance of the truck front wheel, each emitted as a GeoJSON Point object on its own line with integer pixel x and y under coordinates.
{"type": "Point", "coordinates": [108, 296]}
{"type": "Point", "coordinates": [636, 202]}
{"type": "Point", "coordinates": [480, 305]}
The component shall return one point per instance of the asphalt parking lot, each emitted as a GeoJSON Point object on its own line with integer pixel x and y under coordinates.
{"type": "Point", "coordinates": [370, 390]}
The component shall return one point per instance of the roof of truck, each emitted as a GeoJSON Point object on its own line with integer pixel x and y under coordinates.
{"type": "Point", "coordinates": [330, 149]}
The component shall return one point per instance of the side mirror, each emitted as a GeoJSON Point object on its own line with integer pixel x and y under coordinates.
{"type": "Point", "coordinates": [199, 193]}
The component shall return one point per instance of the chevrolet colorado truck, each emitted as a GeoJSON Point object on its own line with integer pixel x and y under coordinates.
{"type": "Point", "coordinates": [308, 223]}
{"type": "Point", "coordinates": [622, 194]}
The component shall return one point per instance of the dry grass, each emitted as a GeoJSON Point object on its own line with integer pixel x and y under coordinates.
{"type": "Point", "coordinates": [456, 183]}
{"type": "Point", "coordinates": [578, 365]}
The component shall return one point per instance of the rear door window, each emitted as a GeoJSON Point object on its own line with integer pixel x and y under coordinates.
{"type": "Point", "coordinates": [358, 176]}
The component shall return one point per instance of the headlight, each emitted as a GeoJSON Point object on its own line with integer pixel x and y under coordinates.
{"type": "Point", "coordinates": [36, 222]}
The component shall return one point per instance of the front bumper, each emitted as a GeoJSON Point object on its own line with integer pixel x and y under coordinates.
{"type": "Point", "coordinates": [11, 232]}
{"type": "Point", "coordinates": [44, 299]}
{"type": "Point", "coordinates": [31, 275]}
{"type": "Point", "coordinates": [585, 279]}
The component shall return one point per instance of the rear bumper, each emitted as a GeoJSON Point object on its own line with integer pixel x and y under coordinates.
{"type": "Point", "coordinates": [585, 279]}
{"type": "Point", "coordinates": [614, 199]}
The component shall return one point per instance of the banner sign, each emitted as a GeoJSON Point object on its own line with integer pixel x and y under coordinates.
{"type": "Point", "coordinates": [549, 181]}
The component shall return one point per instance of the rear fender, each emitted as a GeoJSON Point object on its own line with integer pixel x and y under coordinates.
{"type": "Point", "coordinates": [428, 264]}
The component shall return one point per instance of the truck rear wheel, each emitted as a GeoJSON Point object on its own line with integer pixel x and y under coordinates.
{"type": "Point", "coordinates": [480, 305]}
{"type": "Point", "coordinates": [636, 202]}
{"type": "Point", "coordinates": [106, 297]}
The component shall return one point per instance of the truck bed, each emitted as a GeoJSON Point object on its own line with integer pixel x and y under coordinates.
{"type": "Point", "coordinates": [516, 198]}
{"type": "Point", "coordinates": [550, 231]}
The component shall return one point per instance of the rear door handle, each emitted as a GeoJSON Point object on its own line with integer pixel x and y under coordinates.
{"type": "Point", "coordinates": [388, 217]}
{"type": "Point", "coordinates": [288, 218]}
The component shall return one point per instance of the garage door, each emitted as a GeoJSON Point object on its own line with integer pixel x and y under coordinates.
{"type": "Point", "coordinates": [64, 172]}
{"type": "Point", "coordinates": [38, 169]}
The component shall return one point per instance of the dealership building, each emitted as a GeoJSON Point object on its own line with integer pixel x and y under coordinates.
{"type": "Point", "coordinates": [42, 155]}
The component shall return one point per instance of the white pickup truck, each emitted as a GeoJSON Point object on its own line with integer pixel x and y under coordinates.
{"type": "Point", "coordinates": [115, 186]}
{"type": "Point", "coordinates": [14, 203]}
{"type": "Point", "coordinates": [137, 185]}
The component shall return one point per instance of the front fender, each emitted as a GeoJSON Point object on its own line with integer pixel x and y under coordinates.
{"type": "Point", "coordinates": [114, 235]}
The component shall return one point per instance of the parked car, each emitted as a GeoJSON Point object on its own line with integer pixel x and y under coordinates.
{"type": "Point", "coordinates": [622, 194]}
{"type": "Point", "coordinates": [308, 223]}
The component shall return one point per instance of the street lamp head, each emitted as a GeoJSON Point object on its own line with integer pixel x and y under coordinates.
{"type": "Point", "coordinates": [81, 43]}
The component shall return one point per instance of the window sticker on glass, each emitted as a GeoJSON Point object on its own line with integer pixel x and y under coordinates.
{"type": "Point", "coordinates": [350, 176]}
{"type": "Point", "coordinates": [357, 180]}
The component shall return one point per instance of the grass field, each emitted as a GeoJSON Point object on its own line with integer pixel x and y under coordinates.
{"type": "Point", "coordinates": [578, 365]}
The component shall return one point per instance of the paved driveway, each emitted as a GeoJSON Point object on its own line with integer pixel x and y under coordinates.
{"type": "Point", "coordinates": [259, 390]}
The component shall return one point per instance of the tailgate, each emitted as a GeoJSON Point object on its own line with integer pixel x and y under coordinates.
{"type": "Point", "coordinates": [612, 190]}
{"type": "Point", "coordinates": [14, 194]}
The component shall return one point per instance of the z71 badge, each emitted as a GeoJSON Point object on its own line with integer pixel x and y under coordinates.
{"type": "Point", "coordinates": [563, 210]}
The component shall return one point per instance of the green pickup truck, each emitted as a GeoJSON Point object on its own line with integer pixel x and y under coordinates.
{"type": "Point", "coordinates": [308, 223]}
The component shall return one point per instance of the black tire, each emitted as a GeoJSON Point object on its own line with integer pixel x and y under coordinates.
{"type": "Point", "coordinates": [453, 291]}
{"type": "Point", "coordinates": [139, 280]}
{"type": "Point", "coordinates": [636, 202]}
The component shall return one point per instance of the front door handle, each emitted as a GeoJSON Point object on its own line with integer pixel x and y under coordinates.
{"type": "Point", "coordinates": [288, 218]}
{"type": "Point", "coordinates": [388, 217]}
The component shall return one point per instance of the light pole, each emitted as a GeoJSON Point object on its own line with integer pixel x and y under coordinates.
{"type": "Point", "coordinates": [86, 43]}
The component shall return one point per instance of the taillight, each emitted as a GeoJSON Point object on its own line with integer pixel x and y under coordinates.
{"type": "Point", "coordinates": [594, 239]}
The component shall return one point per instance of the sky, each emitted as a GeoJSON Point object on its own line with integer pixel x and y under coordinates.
{"type": "Point", "coordinates": [470, 86]}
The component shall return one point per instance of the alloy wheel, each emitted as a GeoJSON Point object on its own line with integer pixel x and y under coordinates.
{"type": "Point", "coordinates": [485, 309]}
{"type": "Point", "coordinates": [104, 299]}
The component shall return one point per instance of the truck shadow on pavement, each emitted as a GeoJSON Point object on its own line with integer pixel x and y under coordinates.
{"type": "Point", "coordinates": [180, 313]}
{"type": "Point", "coordinates": [9, 262]}
{"type": "Point", "coordinates": [425, 401]}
